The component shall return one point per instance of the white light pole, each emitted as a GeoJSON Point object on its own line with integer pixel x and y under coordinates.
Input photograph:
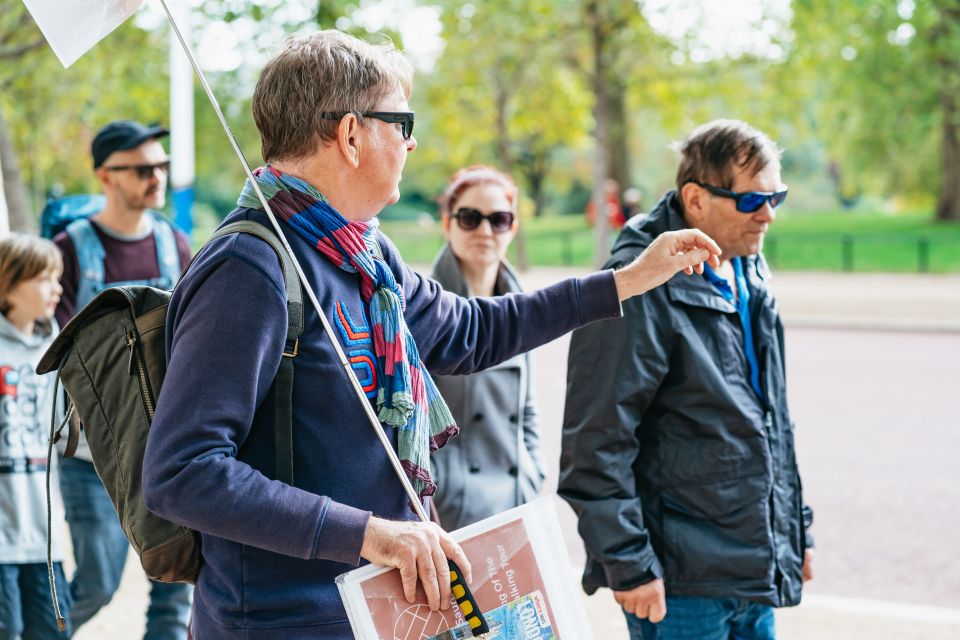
{"type": "Point", "coordinates": [182, 148]}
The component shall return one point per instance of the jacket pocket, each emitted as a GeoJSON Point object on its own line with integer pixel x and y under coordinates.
{"type": "Point", "coordinates": [717, 532]}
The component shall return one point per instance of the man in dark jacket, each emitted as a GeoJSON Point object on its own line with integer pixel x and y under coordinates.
{"type": "Point", "coordinates": [678, 452]}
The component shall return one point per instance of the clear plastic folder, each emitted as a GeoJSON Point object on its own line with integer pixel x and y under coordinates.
{"type": "Point", "coordinates": [521, 581]}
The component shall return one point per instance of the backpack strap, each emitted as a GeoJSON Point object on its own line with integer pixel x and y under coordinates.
{"type": "Point", "coordinates": [168, 258]}
{"type": "Point", "coordinates": [281, 392]}
{"type": "Point", "coordinates": [61, 621]}
{"type": "Point", "coordinates": [90, 256]}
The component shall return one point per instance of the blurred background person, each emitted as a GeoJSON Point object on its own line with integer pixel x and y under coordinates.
{"type": "Point", "coordinates": [126, 243]}
{"type": "Point", "coordinates": [495, 463]}
{"type": "Point", "coordinates": [615, 215]}
{"type": "Point", "coordinates": [632, 202]}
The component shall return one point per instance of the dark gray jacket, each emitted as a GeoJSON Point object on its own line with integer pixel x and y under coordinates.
{"type": "Point", "coordinates": [674, 466]}
{"type": "Point", "coordinates": [494, 464]}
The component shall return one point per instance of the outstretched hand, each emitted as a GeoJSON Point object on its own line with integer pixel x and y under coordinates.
{"type": "Point", "coordinates": [673, 251]}
{"type": "Point", "coordinates": [420, 550]}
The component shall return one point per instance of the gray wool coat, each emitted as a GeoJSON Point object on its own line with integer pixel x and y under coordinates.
{"type": "Point", "coordinates": [494, 464]}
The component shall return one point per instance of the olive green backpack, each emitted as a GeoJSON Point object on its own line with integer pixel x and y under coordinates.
{"type": "Point", "coordinates": [111, 359]}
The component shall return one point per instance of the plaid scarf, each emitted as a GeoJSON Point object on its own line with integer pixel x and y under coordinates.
{"type": "Point", "coordinates": [407, 397]}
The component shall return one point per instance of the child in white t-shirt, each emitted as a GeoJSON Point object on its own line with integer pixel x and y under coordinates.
{"type": "Point", "coordinates": [30, 270]}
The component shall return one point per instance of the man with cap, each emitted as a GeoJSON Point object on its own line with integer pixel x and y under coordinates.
{"type": "Point", "coordinates": [125, 243]}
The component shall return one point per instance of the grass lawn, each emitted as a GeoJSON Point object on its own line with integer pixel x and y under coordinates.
{"type": "Point", "coordinates": [864, 241]}
{"type": "Point", "coordinates": [829, 241]}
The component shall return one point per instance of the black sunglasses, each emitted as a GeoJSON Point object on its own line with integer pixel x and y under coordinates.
{"type": "Point", "coordinates": [144, 171]}
{"type": "Point", "coordinates": [747, 201]}
{"type": "Point", "coordinates": [403, 118]}
{"type": "Point", "coordinates": [469, 219]}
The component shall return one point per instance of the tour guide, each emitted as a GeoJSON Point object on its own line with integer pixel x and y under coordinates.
{"type": "Point", "coordinates": [271, 551]}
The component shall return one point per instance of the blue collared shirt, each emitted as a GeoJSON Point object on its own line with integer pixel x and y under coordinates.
{"type": "Point", "coordinates": [742, 304]}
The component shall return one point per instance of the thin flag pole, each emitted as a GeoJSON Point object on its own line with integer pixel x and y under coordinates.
{"type": "Point", "coordinates": [415, 500]}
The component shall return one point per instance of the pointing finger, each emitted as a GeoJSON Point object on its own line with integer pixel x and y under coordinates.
{"type": "Point", "coordinates": [704, 241]}
{"type": "Point", "coordinates": [690, 260]}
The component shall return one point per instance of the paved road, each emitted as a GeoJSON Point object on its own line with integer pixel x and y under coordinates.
{"type": "Point", "coordinates": [878, 439]}
{"type": "Point", "coordinates": [877, 445]}
{"type": "Point", "coordinates": [878, 436]}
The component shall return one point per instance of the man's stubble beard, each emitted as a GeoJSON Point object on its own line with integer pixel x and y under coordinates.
{"type": "Point", "coordinates": [141, 200]}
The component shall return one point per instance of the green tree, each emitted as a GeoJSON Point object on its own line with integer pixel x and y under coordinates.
{"type": "Point", "coordinates": [519, 81]}
{"type": "Point", "coordinates": [500, 92]}
{"type": "Point", "coordinates": [607, 24]}
{"type": "Point", "coordinates": [612, 45]}
{"type": "Point", "coordinates": [19, 39]}
{"type": "Point", "coordinates": [884, 80]}
{"type": "Point", "coordinates": [53, 113]}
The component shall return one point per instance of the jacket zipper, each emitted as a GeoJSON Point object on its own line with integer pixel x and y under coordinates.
{"type": "Point", "coordinates": [141, 373]}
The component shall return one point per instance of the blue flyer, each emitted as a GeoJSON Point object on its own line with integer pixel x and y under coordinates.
{"type": "Point", "coordinates": [522, 619]}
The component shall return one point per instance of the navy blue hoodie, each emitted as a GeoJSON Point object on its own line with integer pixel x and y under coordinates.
{"type": "Point", "coordinates": [271, 551]}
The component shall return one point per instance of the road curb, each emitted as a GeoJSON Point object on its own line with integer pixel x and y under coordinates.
{"type": "Point", "coordinates": [898, 325]}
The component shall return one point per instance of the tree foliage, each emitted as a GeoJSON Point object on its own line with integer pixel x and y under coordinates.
{"type": "Point", "coordinates": [500, 92]}
{"type": "Point", "coordinates": [19, 38]}
{"type": "Point", "coordinates": [866, 88]}
{"type": "Point", "coordinates": [879, 80]}
{"type": "Point", "coordinates": [53, 113]}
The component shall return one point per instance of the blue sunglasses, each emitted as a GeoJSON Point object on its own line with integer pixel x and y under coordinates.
{"type": "Point", "coordinates": [747, 201]}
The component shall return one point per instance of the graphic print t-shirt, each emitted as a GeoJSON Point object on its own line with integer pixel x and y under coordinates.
{"type": "Point", "coordinates": [25, 405]}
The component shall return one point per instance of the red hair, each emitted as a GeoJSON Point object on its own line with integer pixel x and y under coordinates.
{"type": "Point", "coordinates": [471, 177]}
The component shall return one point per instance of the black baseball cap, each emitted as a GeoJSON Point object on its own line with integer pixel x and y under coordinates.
{"type": "Point", "coordinates": [121, 135]}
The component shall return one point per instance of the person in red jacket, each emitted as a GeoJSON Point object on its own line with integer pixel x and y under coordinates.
{"type": "Point", "coordinates": [615, 217]}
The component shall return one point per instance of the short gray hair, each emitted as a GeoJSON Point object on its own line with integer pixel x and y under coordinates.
{"type": "Point", "coordinates": [324, 71]}
{"type": "Point", "coordinates": [711, 151]}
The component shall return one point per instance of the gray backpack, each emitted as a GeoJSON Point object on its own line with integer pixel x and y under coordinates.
{"type": "Point", "coordinates": [111, 360]}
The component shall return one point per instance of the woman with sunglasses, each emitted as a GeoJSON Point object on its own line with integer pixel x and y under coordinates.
{"type": "Point", "coordinates": [495, 462]}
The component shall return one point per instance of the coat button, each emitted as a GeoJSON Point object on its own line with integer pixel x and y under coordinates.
{"type": "Point", "coordinates": [474, 468]}
{"type": "Point", "coordinates": [477, 417]}
{"type": "Point", "coordinates": [513, 418]}
{"type": "Point", "coordinates": [513, 471]}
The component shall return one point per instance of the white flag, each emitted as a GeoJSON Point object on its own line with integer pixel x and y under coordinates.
{"type": "Point", "coordinates": [72, 27]}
